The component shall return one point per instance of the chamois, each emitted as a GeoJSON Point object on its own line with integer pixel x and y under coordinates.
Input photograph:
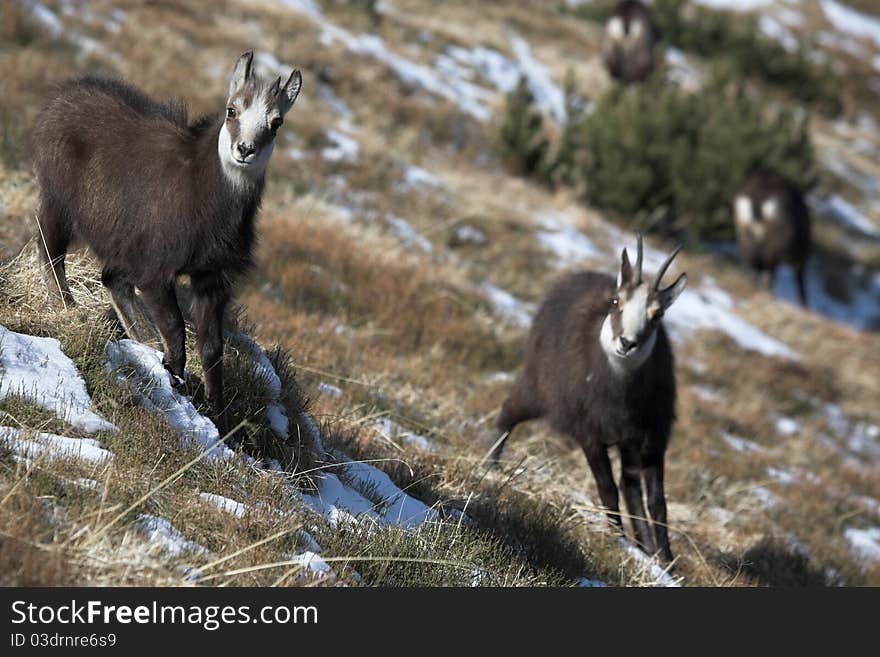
{"type": "Point", "coordinates": [599, 367]}
{"type": "Point", "coordinates": [628, 42]}
{"type": "Point", "coordinates": [157, 197]}
{"type": "Point", "coordinates": [772, 224]}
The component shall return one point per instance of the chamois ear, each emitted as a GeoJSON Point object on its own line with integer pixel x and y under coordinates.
{"type": "Point", "coordinates": [670, 294]}
{"type": "Point", "coordinates": [290, 91]}
{"type": "Point", "coordinates": [624, 277]}
{"type": "Point", "coordinates": [242, 72]}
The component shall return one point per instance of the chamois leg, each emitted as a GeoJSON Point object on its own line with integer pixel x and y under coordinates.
{"type": "Point", "coordinates": [631, 483]}
{"type": "Point", "coordinates": [516, 409]}
{"type": "Point", "coordinates": [135, 322]}
{"type": "Point", "coordinates": [600, 464]}
{"type": "Point", "coordinates": [54, 238]}
{"type": "Point", "coordinates": [161, 302]}
{"type": "Point", "coordinates": [800, 274]}
{"type": "Point", "coordinates": [210, 297]}
{"type": "Point", "coordinates": [653, 471]}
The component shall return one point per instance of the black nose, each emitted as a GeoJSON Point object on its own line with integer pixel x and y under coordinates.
{"type": "Point", "coordinates": [626, 344]}
{"type": "Point", "coordinates": [246, 149]}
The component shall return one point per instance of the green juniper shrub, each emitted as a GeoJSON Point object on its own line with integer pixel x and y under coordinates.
{"type": "Point", "coordinates": [522, 139]}
{"type": "Point", "coordinates": [656, 155]}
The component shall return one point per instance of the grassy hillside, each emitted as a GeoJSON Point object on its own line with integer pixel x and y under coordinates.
{"type": "Point", "coordinates": [399, 264]}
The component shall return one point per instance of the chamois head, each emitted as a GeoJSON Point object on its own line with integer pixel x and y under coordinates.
{"type": "Point", "coordinates": [630, 25]}
{"type": "Point", "coordinates": [635, 310]}
{"type": "Point", "coordinates": [254, 112]}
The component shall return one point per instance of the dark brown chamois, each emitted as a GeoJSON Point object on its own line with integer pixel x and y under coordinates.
{"type": "Point", "coordinates": [156, 197]}
{"type": "Point", "coordinates": [772, 227]}
{"type": "Point", "coordinates": [599, 368]}
{"type": "Point", "coordinates": [628, 42]}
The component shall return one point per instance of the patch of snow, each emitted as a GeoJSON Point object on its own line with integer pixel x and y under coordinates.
{"type": "Point", "coordinates": [151, 384]}
{"type": "Point", "coordinates": [468, 235]}
{"type": "Point", "coordinates": [414, 176]}
{"type": "Point", "coordinates": [52, 447]}
{"type": "Point", "coordinates": [225, 504]}
{"type": "Point", "coordinates": [46, 17]}
{"type": "Point", "coordinates": [491, 65]}
{"type": "Point", "coordinates": [861, 309]}
{"type": "Point", "coordinates": [560, 237]}
{"type": "Point", "coordinates": [308, 7]}
{"type": "Point", "coordinates": [584, 582]}
{"type": "Point", "coordinates": [501, 377]}
{"type": "Point", "coordinates": [707, 393]}
{"type": "Point", "coordinates": [515, 310]}
{"type": "Point", "coordinates": [312, 562]}
{"type": "Point", "coordinates": [569, 246]}
{"type": "Point", "coordinates": [741, 444]}
{"type": "Point", "coordinates": [711, 308]}
{"type": "Point", "coordinates": [734, 5]}
{"type": "Point", "coordinates": [163, 533]}
{"type": "Point", "coordinates": [407, 234]}
{"type": "Point", "coordinates": [786, 426]}
{"type": "Point", "coordinates": [38, 370]}
{"type": "Point", "coordinates": [865, 543]}
{"type": "Point", "coordinates": [89, 484]}
{"type": "Point", "coordinates": [783, 476]}
{"type": "Point", "coordinates": [549, 97]}
{"type": "Point", "coordinates": [391, 430]}
{"type": "Point", "coordinates": [397, 508]}
{"type": "Point", "coordinates": [469, 97]}
{"type": "Point", "coordinates": [847, 215]}
{"type": "Point", "coordinates": [854, 24]}
{"type": "Point", "coordinates": [337, 502]}
{"type": "Point", "coordinates": [342, 149]}
{"type": "Point", "coordinates": [329, 390]}
{"type": "Point", "coordinates": [649, 565]}
{"type": "Point", "coordinates": [859, 437]}
{"type": "Point", "coordinates": [776, 30]}
{"type": "Point", "coordinates": [835, 41]}
{"type": "Point", "coordinates": [682, 71]}
{"type": "Point", "coordinates": [763, 495]}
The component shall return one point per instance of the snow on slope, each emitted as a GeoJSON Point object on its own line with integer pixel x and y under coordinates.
{"type": "Point", "coordinates": [38, 370]}
{"type": "Point", "coordinates": [453, 75]}
{"type": "Point", "coordinates": [140, 368]}
{"type": "Point", "coordinates": [710, 307]}
{"type": "Point", "coordinates": [161, 532]}
{"type": "Point", "coordinates": [225, 504]}
{"type": "Point", "coordinates": [850, 22]}
{"type": "Point", "coordinates": [548, 96]}
{"type": "Point", "coordinates": [52, 447]}
{"type": "Point", "coordinates": [865, 543]}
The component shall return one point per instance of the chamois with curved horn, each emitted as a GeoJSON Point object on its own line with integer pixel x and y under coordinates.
{"type": "Point", "coordinates": [599, 368]}
{"type": "Point", "coordinates": [629, 41]}
{"type": "Point", "coordinates": [157, 197]}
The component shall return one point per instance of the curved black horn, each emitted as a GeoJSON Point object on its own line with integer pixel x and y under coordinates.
{"type": "Point", "coordinates": [639, 257]}
{"type": "Point", "coordinates": [664, 267]}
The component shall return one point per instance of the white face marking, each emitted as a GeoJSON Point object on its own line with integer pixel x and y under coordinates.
{"type": "Point", "coordinates": [634, 315]}
{"type": "Point", "coordinates": [635, 29]}
{"type": "Point", "coordinates": [634, 359]}
{"type": "Point", "coordinates": [615, 28]}
{"type": "Point", "coordinates": [770, 208]}
{"type": "Point", "coordinates": [743, 209]}
{"type": "Point", "coordinates": [251, 122]}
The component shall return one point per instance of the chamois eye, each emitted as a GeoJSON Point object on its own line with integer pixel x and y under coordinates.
{"type": "Point", "coordinates": [615, 301]}
{"type": "Point", "coordinates": [230, 112]}
{"type": "Point", "coordinates": [276, 123]}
